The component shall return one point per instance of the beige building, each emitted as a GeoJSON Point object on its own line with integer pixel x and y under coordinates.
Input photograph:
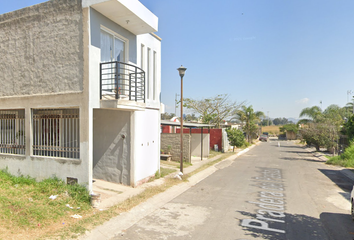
{"type": "Point", "coordinates": [80, 91]}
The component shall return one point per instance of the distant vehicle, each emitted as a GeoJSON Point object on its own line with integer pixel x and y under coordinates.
{"type": "Point", "coordinates": [263, 138]}
{"type": "Point", "coordinates": [265, 133]}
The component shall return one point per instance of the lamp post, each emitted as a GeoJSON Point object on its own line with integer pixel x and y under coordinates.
{"type": "Point", "coordinates": [181, 71]}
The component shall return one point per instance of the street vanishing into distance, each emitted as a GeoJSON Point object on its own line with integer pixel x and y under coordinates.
{"type": "Point", "coordinates": [277, 190]}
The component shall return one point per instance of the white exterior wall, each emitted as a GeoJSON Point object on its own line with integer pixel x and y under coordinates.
{"type": "Point", "coordinates": [145, 124]}
{"type": "Point", "coordinates": [154, 43]}
{"type": "Point", "coordinates": [146, 144]}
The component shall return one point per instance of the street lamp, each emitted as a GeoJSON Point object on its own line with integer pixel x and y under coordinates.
{"type": "Point", "coordinates": [181, 71]}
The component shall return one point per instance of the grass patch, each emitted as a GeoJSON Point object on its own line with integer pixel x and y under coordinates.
{"type": "Point", "coordinates": [25, 207]}
{"type": "Point", "coordinates": [175, 164]}
{"type": "Point", "coordinates": [205, 166]}
{"type": "Point", "coordinates": [213, 153]}
{"type": "Point", "coordinates": [346, 159]}
{"type": "Point", "coordinates": [53, 216]}
{"type": "Point", "coordinates": [99, 217]}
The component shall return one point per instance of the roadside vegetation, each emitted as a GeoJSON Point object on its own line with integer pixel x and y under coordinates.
{"type": "Point", "coordinates": [346, 159]}
{"type": "Point", "coordinates": [331, 129]}
{"type": "Point", "coordinates": [28, 212]}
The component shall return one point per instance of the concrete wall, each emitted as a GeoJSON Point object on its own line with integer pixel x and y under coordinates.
{"type": "Point", "coordinates": [197, 143]}
{"type": "Point", "coordinates": [41, 49]}
{"type": "Point", "coordinates": [112, 139]}
{"type": "Point", "coordinates": [46, 47]}
{"type": "Point", "coordinates": [174, 140]}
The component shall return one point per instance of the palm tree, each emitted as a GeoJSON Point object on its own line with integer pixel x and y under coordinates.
{"type": "Point", "coordinates": [313, 113]}
{"type": "Point", "coordinates": [249, 118]}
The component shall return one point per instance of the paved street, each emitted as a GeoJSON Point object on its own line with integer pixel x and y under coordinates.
{"type": "Point", "coordinates": [277, 190]}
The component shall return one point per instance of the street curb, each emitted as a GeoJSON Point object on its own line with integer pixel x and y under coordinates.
{"type": "Point", "coordinates": [117, 225]}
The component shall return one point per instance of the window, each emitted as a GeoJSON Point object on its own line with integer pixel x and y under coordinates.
{"type": "Point", "coordinates": [12, 131]}
{"type": "Point", "coordinates": [56, 133]}
{"type": "Point", "coordinates": [113, 49]}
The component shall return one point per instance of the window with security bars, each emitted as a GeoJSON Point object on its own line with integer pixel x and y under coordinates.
{"type": "Point", "coordinates": [56, 133]}
{"type": "Point", "coordinates": [12, 131]}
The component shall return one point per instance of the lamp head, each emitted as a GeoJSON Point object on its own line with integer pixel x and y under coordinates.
{"type": "Point", "coordinates": [181, 70]}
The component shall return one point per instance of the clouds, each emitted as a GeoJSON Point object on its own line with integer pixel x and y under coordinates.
{"type": "Point", "coordinates": [302, 101]}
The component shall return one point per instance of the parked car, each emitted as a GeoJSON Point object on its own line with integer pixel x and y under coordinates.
{"type": "Point", "coordinates": [263, 138]}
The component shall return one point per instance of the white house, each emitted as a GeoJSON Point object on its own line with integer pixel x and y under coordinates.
{"type": "Point", "coordinates": [80, 91]}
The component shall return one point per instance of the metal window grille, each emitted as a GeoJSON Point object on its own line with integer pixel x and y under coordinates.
{"type": "Point", "coordinates": [56, 133]}
{"type": "Point", "coordinates": [12, 131]}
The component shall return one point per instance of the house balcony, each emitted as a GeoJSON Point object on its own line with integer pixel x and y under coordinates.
{"type": "Point", "coordinates": [122, 86]}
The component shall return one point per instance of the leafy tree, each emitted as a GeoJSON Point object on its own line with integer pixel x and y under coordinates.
{"type": "Point", "coordinates": [322, 127]}
{"type": "Point", "coordinates": [213, 110]}
{"type": "Point", "coordinates": [280, 121]}
{"type": "Point", "coordinates": [266, 122]}
{"type": "Point", "coordinates": [322, 134]}
{"type": "Point", "coordinates": [249, 118]}
{"type": "Point", "coordinates": [236, 137]}
{"type": "Point", "coordinates": [167, 116]}
{"type": "Point", "coordinates": [349, 128]}
{"type": "Point", "coordinates": [191, 117]}
{"type": "Point", "coordinates": [291, 127]}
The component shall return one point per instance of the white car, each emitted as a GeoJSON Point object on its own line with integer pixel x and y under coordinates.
{"type": "Point", "coordinates": [351, 201]}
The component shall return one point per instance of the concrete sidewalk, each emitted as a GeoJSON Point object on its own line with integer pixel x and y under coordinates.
{"type": "Point", "coordinates": [115, 193]}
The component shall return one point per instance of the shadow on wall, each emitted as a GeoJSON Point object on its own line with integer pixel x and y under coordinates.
{"type": "Point", "coordinates": [111, 149]}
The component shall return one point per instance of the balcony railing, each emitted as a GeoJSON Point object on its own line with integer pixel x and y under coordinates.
{"type": "Point", "coordinates": [122, 81]}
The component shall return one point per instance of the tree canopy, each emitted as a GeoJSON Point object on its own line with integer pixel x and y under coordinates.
{"type": "Point", "coordinates": [249, 119]}
{"type": "Point", "coordinates": [213, 110]}
{"type": "Point", "coordinates": [236, 137]}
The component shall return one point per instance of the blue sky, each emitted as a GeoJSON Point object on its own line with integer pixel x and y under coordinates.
{"type": "Point", "coordinates": [278, 56]}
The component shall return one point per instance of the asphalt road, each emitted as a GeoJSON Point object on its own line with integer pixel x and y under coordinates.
{"type": "Point", "coordinates": [276, 190]}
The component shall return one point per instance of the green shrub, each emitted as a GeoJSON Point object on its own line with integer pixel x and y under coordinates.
{"type": "Point", "coordinates": [346, 159]}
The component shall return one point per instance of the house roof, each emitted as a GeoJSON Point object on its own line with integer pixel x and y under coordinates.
{"type": "Point", "coordinates": [186, 124]}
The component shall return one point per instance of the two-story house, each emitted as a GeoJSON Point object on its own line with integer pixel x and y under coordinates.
{"type": "Point", "coordinates": [80, 91]}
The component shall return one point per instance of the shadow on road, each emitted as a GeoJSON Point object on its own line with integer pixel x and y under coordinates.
{"type": "Point", "coordinates": [299, 226]}
{"type": "Point", "coordinates": [345, 183]}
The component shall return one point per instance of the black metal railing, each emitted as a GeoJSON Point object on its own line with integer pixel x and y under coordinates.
{"type": "Point", "coordinates": [119, 80]}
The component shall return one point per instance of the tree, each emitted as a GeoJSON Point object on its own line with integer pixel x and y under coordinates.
{"type": "Point", "coordinates": [249, 118]}
{"type": "Point", "coordinates": [167, 116]}
{"type": "Point", "coordinates": [213, 110]}
{"type": "Point", "coordinates": [266, 122]}
{"type": "Point", "coordinates": [236, 138]}
{"type": "Point", "coordinates": [322, 134]}
{"type": "Point", "coordinates": [280, 121]}
{"type": "Point", "coordinates": [322, 127]}
{"type": "Point", "coordinates": [191, 117]}
{"type": "Point", "coordinates": [313, 114]}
